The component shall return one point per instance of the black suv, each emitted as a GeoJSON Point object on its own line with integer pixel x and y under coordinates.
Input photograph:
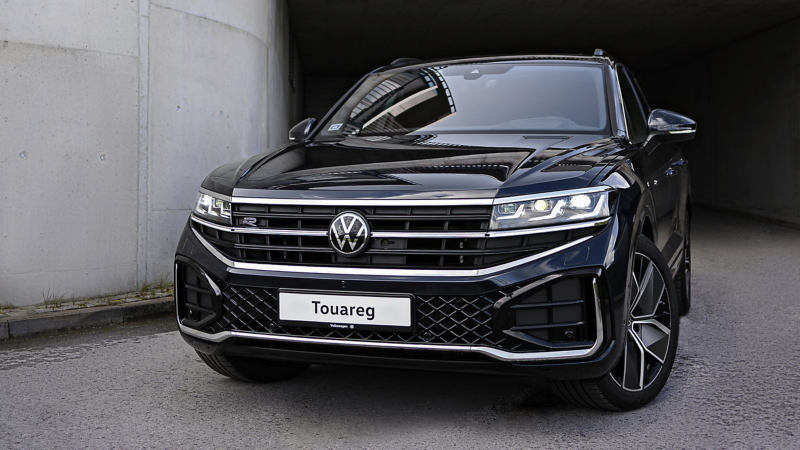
{"type": "Point", "coordinates": [522, 215]}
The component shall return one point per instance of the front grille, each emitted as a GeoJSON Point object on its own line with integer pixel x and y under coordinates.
{"type": "Point", "coordinates": [440, 319]}
{"type": "Point", "coordinates": [294, 234]}
{"type": "Point", "coordinates": [382, 218]}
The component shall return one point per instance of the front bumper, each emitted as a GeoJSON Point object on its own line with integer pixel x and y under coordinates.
{"type": "Point", "coordinates": [604, 257]}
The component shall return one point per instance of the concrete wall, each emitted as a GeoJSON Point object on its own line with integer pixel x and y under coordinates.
{"type": "Point", "coordinates": [111, 114]}
{"type": "Point", "coordinates": [746, 101]}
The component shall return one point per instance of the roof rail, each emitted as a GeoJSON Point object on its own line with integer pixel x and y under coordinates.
{"type": "Point", "coordinates": [401, 61]}
{"type": "Point", "coordinates": [603, 53]}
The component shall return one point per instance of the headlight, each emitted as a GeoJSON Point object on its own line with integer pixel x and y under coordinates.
{"type": "Point", "coordinates": [212, 208]}
{"type": "Point", "coordinates": [556, 209]}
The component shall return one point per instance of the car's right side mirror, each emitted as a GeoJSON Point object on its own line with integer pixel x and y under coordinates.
{"type": "Point", "coordinates": [670, 126]}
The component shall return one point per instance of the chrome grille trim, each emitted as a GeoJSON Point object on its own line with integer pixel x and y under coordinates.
{"type": "Point", "coordinates": [408, 234]}
{"type": "Point", "coordinates": [363, 202]}
{"type": "Point", "coordinates": [277, 231]}
{"type": "Point", "coordinates": [333, 270]}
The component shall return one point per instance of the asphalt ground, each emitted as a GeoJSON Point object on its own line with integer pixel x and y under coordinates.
{"type": "Point", "coordinates": [736, 382]}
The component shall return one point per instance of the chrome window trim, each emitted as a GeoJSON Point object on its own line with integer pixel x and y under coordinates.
{"type": "Point", "coordinates": [498, 354]}
{"type": "Point", "coordinates": [339, 270]}
{"type": "Point", "coordinates": [409, 234]}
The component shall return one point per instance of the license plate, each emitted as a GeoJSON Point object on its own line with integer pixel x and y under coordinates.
{"type": "Point", "coordinates": [373, 312]}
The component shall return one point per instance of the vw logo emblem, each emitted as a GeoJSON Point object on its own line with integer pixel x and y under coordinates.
{"type": "Point", "coordinates": [349, 233]}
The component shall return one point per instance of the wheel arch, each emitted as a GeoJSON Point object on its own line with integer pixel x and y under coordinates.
{"type": "Point", "coordinates": [646, 228]}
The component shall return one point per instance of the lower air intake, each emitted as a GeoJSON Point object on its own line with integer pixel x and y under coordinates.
{"type": "Point", "coordinates": [198, 304]}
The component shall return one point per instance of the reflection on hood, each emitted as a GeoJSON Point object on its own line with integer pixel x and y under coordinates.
{"type": "Point", "coordinates": [429, 163]}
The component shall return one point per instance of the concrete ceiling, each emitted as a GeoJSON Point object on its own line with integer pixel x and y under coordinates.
{"type": "Point", "coordinates": [351, 37]}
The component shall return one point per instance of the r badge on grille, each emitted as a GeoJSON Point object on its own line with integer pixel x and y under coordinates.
{"type": "Point", "coordinates": [349, 233]}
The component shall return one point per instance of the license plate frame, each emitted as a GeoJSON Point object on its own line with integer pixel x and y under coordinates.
{"type": "Point", "coordinates": [299, 312]}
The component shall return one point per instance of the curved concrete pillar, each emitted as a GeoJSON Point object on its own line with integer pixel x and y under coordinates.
{"type": "Point", "coordinates": [112, 113]}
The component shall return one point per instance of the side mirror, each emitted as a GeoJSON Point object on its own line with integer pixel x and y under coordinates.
{"type": "Point", "coordinates": [301, 131]}
{"type": "Point", "coordinates": [670, 126]}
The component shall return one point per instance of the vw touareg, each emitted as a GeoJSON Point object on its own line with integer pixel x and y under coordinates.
{"type": "Point", "coordinates": [509, 215]}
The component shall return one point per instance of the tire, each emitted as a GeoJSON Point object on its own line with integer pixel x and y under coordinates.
{"type": "Point", "coordinates": [252, 370]}
{"type": "Point", "coordinates": [626, 386]}
{"type": "Point", "coordinates": [683, 280]}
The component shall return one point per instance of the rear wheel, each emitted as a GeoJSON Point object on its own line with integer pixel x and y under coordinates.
{"type": "Point", "coordinates": [252, 370]}
{"type": "Point", "coordinates": [650, 345]}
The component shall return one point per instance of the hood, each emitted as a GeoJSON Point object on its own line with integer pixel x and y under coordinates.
{"type": "Point", "coordinates": [409, 166]}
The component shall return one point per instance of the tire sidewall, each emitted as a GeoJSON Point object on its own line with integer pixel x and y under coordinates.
{"type": "Point", "coordinates": [612, 391]}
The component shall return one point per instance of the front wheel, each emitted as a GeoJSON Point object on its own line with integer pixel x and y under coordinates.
{"type": "Point", "coordinates": [650, 345]}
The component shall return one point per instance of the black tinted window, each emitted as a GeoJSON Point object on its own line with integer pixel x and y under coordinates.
{"type": "Point", "coordinates": [484, 98]}
{"type": "Point", "coordinates": [633, 111]}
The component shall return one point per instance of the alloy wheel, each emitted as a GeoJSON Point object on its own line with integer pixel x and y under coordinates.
{"type": "Point", "coordinates": [648, 328]}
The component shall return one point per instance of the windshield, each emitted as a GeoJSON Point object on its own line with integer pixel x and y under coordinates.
{"type": "Point", "coordinates": [513, 98]}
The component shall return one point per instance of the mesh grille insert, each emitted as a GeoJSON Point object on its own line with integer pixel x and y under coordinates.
{"type": "Point", "coordinates": [454, 320]}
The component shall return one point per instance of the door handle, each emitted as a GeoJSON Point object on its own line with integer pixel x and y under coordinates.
{"type": "Point", "coordinates": [681, 162]}
{"type": "Point", "coordinates": [671, 172]}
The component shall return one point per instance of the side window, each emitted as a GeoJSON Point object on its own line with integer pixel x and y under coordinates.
{"type": "Point", "coordinates": [633, 111]}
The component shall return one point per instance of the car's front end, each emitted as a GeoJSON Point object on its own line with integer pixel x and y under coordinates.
{"type": "Point", "coordinates": [436, 218]}
{"type": "Point", "coordinates": [460, 296]}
